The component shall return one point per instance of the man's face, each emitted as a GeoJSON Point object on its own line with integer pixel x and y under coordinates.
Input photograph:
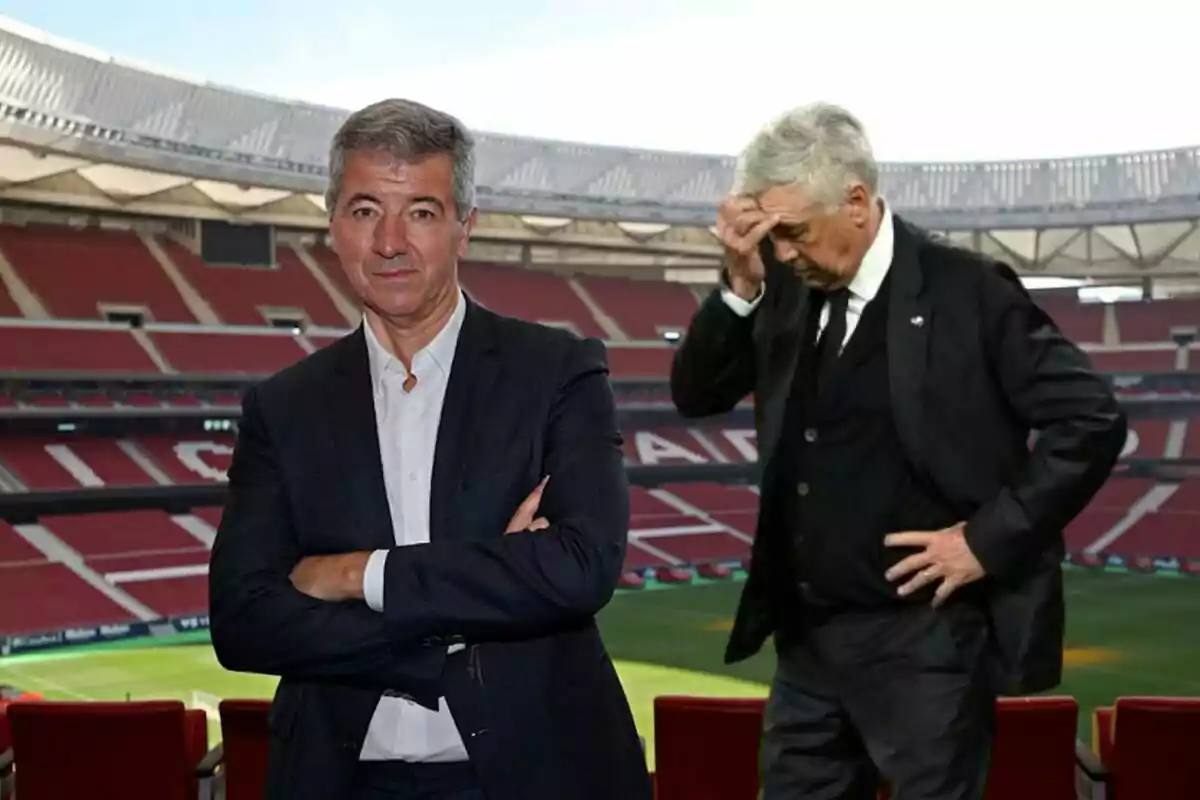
{"type": "Point", "coordinates": [396, 231]}
{"type": "Point", "coordinates": [823, 247]}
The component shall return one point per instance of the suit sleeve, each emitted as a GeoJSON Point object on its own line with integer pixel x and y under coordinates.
{"type": "Point", "coordinates": [1051, 386]}
{"type": "Point", "coordinates": [260, 622]}
{"type": "Point", "coordinates": [532, 583]}
{"type": "Point", "coordinates": [713, 369]}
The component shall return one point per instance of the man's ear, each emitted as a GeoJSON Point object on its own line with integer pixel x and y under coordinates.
{"type": "Point", "coordinates": [468, 226]}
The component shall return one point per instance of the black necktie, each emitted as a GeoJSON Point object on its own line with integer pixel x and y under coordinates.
{"type": "Point", "coordinates": [830, 344]}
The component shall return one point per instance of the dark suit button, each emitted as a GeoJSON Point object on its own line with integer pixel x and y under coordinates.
{"type": "Point", "coordinates": [350, 744]}
{"type": "Point", "coordinates": [802, 489]}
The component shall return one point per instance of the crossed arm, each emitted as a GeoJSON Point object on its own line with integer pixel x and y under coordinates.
{"type": "Point", "coordinates": [522, 585]}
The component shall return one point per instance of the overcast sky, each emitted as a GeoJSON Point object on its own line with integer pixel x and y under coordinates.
{"type": "Point", "coordinates": [932, 79]}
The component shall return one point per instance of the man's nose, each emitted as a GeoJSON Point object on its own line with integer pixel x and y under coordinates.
{"type": "Point", "coordinates": [391, 237]}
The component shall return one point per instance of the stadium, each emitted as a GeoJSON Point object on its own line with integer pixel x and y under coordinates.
{"type": "Point", "coordinates": [163, 247]}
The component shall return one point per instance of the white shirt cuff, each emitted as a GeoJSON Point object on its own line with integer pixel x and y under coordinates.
{"type": "Point", "coordinates": [373, 579]}
{"type": "Point", "coordinates": [743, 308]}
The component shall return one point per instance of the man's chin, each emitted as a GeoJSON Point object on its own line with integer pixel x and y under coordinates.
{"type": "Point", "coordinates": [815, 280]}
{"type": "Point", "coordinates": [393, 305]}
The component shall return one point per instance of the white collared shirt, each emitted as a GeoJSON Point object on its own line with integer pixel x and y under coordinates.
{"type": "Point", "coordinates": [408, 425]}
{"type": "Point", "coordinates": [863, 288]}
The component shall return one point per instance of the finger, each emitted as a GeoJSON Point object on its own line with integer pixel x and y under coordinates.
{"type": "Point", "coordinates": [541, 523]}
{"type": "Point", "coordinates": [751, 230]}
{"type": "Point", "coordinates": [519, 520]}
{"type": "Point", "coordinates": [909, 539]}
{"type": "Point", "coordinates": [733, 232]}
{"type": "Point", "coordinates": [944, 590]}
{"type": "Point", "coordinates": [524, 514]}
{"type": "Point", "coordinates": [910, 564]}
{"type": "Point", "coordinates": [745, 222]}
{"type": "Point", "coordinates": [922, 579]}
{"type": "Point", "coordinates": [763, 228]}
{"type": "Point", "coordinates": [737, 204]}
{"type": "Point", "coordinates": [534, 498]}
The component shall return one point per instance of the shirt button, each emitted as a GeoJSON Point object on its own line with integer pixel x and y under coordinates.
{"type": "Point", "coordinates": [810, 435]}
{"type": "Point", "coordinates": [802, 489]}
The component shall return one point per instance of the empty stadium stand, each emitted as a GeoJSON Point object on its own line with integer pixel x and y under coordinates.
{"type": "Point", "coordinates": [1156, 320]}
{"type": "Point", "coordinates": [200, 317]}
{"type": "Point", "coordinates": [642, 309]}
{"type": "Point", "coordinates": [157, 562]}
{"type": "Point", "coordinates": [218, 351]}
{"type": "Point", "coordinates": [532, 295]}
{"type": "Point", "coordinates": [80, 273]}
{"type": "Point", "coordinates": [245, 295]}
{"type": "Point", "coordinates": [193, 318]}
{"type": "Point", "coordinates": [64, 347]}
{"type": "Point", "coordinates": [1082, 323]}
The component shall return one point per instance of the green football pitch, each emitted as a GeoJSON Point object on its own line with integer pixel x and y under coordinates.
{"type": "Point", "coordinates": [1127, 634]}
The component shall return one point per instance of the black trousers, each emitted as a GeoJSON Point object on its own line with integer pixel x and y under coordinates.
{"type": "Point", "coordinates": [899, 695]}
{"type": "Point", "coordinates": [399, 780]}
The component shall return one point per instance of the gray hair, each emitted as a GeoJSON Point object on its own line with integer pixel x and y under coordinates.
{"type": "Point", "coordinates": [407, 131]}
{"type": "Point", "coordinates": [821, 147]}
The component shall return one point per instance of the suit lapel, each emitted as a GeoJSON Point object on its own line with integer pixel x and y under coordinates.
{"type": "Point", "coordinates": [350, 402]}
{"type": "Point", "coordinates": [779, 337]}
{"type": "Point", "coordinates": [468, 394]}
{"type": "Point", "coordinates": [908, 326]}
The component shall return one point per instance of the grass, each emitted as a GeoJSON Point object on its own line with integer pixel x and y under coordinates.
{"type": "Point", "coordinates": [1127, 634]}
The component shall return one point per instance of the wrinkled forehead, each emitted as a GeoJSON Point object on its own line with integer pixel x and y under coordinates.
{"type": "Point", "coordinates": [792, 203]}
{"type": "Point", "coordinates": [385, 172]}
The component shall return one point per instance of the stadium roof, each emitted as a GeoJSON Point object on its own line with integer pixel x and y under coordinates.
{"type": "Point", "coordinates": [83, 128]}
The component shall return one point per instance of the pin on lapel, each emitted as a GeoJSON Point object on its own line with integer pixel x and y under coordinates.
{"type": "Point", "coordinates": [917, 321]}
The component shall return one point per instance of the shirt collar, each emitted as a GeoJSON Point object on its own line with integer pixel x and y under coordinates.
{"type": "Point", "coordinates": [877, 261]}
{"type": "Point", "coordinates": [439, 352]}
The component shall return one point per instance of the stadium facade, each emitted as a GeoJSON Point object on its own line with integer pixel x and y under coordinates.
{"type": "Point", "coordinates": [82, 130]}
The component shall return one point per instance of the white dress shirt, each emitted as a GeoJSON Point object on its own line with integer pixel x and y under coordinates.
{"type": "Point", "coordinates": [407, 423]}
{"type": "Point", "coordinates": [863, 288]}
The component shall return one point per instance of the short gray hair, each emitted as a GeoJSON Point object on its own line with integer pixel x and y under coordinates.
{"type": "Point", "coordinates": [822, 147]}
{"type": "Point", "coordinates": [407, 131]}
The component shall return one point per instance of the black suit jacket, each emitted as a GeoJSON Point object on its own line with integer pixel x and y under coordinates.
{"type": "Point", "coordinates": [974, 366]}
{"type": "Point", "coordinates": [534, 692]}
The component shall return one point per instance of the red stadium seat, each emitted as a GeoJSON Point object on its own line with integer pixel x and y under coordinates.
{"type": "Point", "coordinates": [1033, 757]}
{"type": "Point", "coordinates": [706, 748]}
{"type": "Point", "coordinates": [631, 580]}
{"type": "Point", "coordinates": [149, 750]}
{"type": "Point", "coordinates": [1147, 747]}
{"type": "Point", "coordinates": [245, 740]}
{"type": "Point", "coordinates": [1102, 733]}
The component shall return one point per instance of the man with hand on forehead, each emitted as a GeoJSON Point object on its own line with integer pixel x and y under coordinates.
{"type": "Point", "coordinates": [907, 558]}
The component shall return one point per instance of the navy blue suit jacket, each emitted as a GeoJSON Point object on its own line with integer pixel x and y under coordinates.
{"type": "Point", "coordinates": [534, 692]}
